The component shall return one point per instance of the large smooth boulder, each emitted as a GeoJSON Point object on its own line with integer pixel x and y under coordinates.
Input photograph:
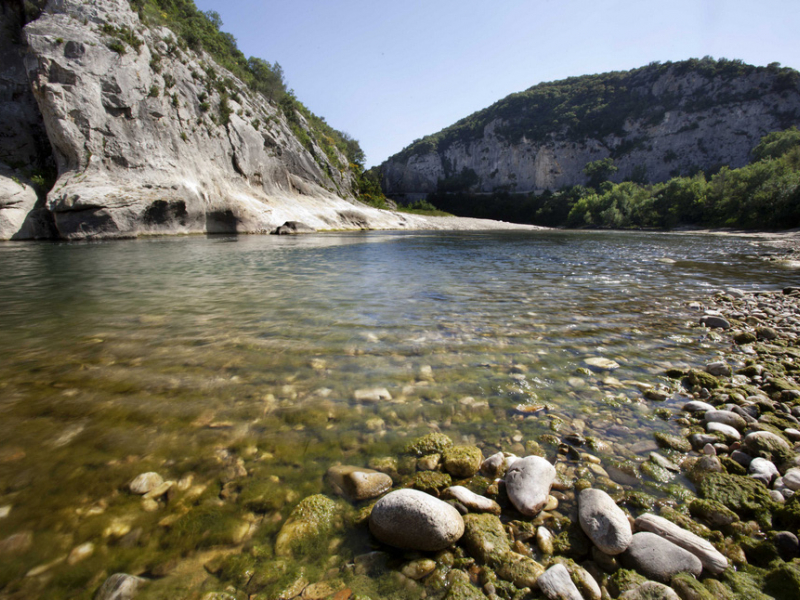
{"type": "Point", "coordinates": [605, 523]}
{"type": "Point", "coordinates": [528, 483]}
{"type": "Point", "coordinates": [414, 520]}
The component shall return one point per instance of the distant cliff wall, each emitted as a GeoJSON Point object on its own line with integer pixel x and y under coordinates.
{"type": "Point", "coordinates": [655, 122]}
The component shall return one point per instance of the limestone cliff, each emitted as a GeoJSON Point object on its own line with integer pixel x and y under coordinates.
{"type": "Point", "coordinates": [655, 122]}
{"type": "Point", "coordinates": [147, 136]}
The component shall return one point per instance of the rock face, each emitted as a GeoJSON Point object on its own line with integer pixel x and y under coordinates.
{"type": "Point", "coordinates": [699, 114]}
{"type": "Point", "coordinates": [143, 136]}
{"type": "Point", "coordinates": [415, 520]}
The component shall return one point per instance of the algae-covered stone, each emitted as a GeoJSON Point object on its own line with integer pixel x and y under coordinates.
{"type": "Point", "coordinates": [650, 590]}
{"type": "Point", "coordinates": [429, 444]}
{"type": "Point", "coordinates": [788, 515]}
{"type": "Point", "coordinates": [714, 513]}
{"type": "Point", "coordinates": [672, 442]}
{"type": "Point", "coordinates": [485, 538]}
{"type": "Point", "coordinates": [120, 586]}
{"type": "Point", "coordinates": [703, 379]}
{"type": "Point", "coordinates": [688, 588]}
{"type": "Point", "coordinates": [462, 589]}
{"type": "Point", "coordinates": [309, 523]}
{"type": "Point", "coordinates": [624, 580]}
{"type": "Point", "coordinates": [431, 482]}
{"type": "Point", "coordinates": [783, 582]}
{"type": "Point", "coordinates": [746, 497]}
{"type": "Point", "coordinates": [767, 445]}
{"type": "Point", "coordinates": [262, 496]}
{"type": "Point", "coordinates": [462, 461]}
{"type": "Point", "coordinates": [145, 482]}
{"type": "Point", "coordinates": [520, 570]}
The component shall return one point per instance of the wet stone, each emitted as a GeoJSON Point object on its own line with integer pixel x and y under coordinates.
{"type": "Point", "coordinates": [697, 406]}
{"type": "Point", "coordinates": [725, 417]}
{"type": "Point", "coordinates": [729, 432]}
{"type": "Point", "coordinates": [145, 483]}
{"type": "Point", "coordinates": [474, 502]}
{"type": "Point", "coordinates": [597, 363]}
{"type": "Point", "coordinates": [120, 586]}
{"type": "Point", "coordinates": [356, 483]}
{"type": "Point", "coordinates": [715, 322]}
{"type": "Point", "coordinates": [372, 395]}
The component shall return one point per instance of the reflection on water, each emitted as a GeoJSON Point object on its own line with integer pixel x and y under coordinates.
{"type": "Point", "coordinates": [195, 356]}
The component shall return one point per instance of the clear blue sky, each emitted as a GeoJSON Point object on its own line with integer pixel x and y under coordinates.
{"type": "Point", "coordinates": [390, 72]}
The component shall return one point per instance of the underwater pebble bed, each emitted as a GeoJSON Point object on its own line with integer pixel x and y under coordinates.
{"type": "Point", "coordinates": [239, 371]}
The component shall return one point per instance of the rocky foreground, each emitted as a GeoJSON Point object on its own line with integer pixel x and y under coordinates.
{"type": "Point", "coordinates": [711, 513]}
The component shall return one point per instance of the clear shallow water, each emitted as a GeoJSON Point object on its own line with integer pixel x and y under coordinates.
{"type": "Point", "coordinates": [186, 355]}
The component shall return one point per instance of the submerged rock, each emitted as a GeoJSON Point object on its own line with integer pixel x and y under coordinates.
{"type": "Point", "coordinates": [145, 483]}
{"type": "Point", "coordinates": [528, 482]}
{"type": "Point", "coordinates": [415, 520]}
{"type": "Point", "coordinates": [311, 521]}
{"type": "Point", "coordinates": [356, 483]}
{"type": "Point", "coordinates": [120, 586]}
{"type": "Point", "coordinates": [650, 590]}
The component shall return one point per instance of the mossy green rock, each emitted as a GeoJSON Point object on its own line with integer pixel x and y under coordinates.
{"type": "Point", "coordinates": [657, 472]}
{"type": "Point", "coordinates": [485, 538]}
{"type": "Point", "coordinates": [768, 444]}
{"type": "Point", "coordinates": [719, 591]}
{"type": "Point", "coordinates": [520, 570]}
{"type": "Point", "coordinates": [777, 384]}
{"type": "Point", "coordinates": [431, 482]}
{"type": "Point", "coordinates": [743, 495]}
{"type": "Point", "coordinates": [744, 337]}
{"type": "Point", "coordinates": [788, 515]}
{"type": "Point", "coordinates": [672, 442]}
{"type": "Point", "coordinates": [688, 588]}
{"type": "Point", "coordinates": [714, 513]}
{"type": "Point", "coordinates": [703, 379]}
{"type": "Point", "coordinates": [572, 543]}
{"type": "Point", "coordinates": [433, 443]}
{"type": "Point", "coordinates": [462, 589]}
{"type": "Point", "coordinates": [731, 466]}
{"type": "Point", "coordinates": [759, 552]}
{"type": "Point", "coordinates": [624, 580]}
{"type": "Point", "coordinates": [310, 523]}
{"type": "Point", "coordinates": [744, 585]}
{"type": "Point", "coordinates": [205, 526]}
{"type": "Point", "coordinates": [783, 582]}
{"type": "Point", "coordinates": [262, 496]}
{"type": "Point", "coordinates": [462, 461]}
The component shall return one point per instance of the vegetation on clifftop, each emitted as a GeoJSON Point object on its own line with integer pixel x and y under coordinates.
{"type": "Point", "coordinates": [198, 30]}
{"type": "Point", "coordinates": [762, 195]}
{"type": "Point", "coordinates": [595, 106]}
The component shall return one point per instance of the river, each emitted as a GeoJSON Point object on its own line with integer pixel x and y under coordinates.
{"type": "Point", "coordinates": [238, 360]}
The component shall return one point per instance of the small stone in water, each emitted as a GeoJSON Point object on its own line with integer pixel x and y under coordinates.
{"type": "Point", "coordinates": [372, 395]}
{"type": "Point", "coordinates": [119, 586]}
{"type": "Point", "coordinates": [356, 483]}
{"type": "Point", "coordinates": [599, 363]}
{"type": "Point", "coordinates": [80, 552]}
{"type": "Point", "coordinates": [145, 482]}
{"type": "Point", "coordinates": [4, 511]}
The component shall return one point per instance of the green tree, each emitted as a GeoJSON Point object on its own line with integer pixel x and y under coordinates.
{"type": "Point", "coordinates": [599, 171]}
